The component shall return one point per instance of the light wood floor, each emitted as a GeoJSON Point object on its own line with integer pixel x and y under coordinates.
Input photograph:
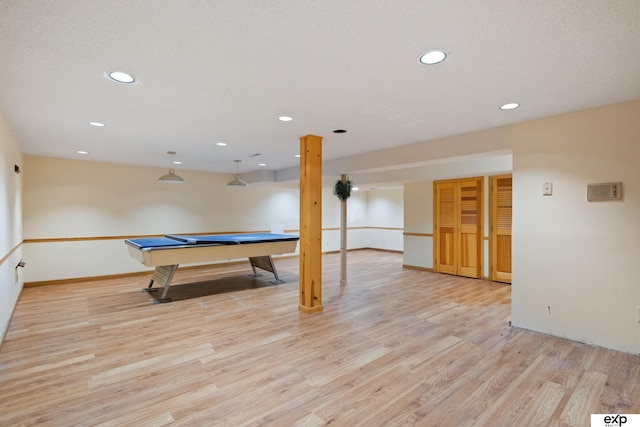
{"type": "Point", "coordinates": [392, 347]}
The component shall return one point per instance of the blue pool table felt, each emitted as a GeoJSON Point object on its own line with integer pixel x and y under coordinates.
{"type": "Point", "coordinates": [173, 240]}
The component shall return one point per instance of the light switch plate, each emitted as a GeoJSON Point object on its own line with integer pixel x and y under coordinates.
{"type": "Point", "coordinates": [547, 188]}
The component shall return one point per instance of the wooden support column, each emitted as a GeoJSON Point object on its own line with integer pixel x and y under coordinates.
{"type": "Point", "coordinates": [310, 224]}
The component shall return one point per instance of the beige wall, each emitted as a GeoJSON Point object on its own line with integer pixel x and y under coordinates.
{"type": "Point", "coordinates": [385, 214]}
{"type": "Point", "coordinates": [418, 224]}
{"type": "Point", "coordinates": [575, 263]}
{"type": "Point", "coordinates": [375, 220]}
{"type": "Point", "coordinates": [11, 279]}
{"type": "Point", "coordinates": [73, 198]}
{"type": "Point", "coordinates": [356, 219]}
{"type": "Point", "coordinates": [91, 200]}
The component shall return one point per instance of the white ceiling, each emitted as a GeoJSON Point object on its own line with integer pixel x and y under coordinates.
{"type": "Point", "coordinates": [223, 71]}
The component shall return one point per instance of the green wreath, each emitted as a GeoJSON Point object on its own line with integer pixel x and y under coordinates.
{"type": "Point", "coordinates": [342, 189]}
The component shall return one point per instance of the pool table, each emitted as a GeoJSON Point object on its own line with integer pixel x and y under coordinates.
{"type": "Point", "coordinates": [166, 253]}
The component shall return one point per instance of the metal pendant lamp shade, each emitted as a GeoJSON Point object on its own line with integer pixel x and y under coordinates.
{"type": "Point", "coordinates": [171, 178]}
{"type": "Point", "coordinates": [237, 182]}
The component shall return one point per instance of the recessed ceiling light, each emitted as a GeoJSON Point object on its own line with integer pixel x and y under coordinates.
{"type": "Point", "coordinates": [176, 162]}
{"type": "Point", "coordinates": [297, 155]}
{"type": "Point", "coordinates": [509, 106]}
{"type": "Point", "coordinates": [121, 77]}
{"type": "Point", "coordinates": [221, 144]}
{"type": "Point", "coordinates": [97, 124]}
{"type": "Point", "coordinates": [262, 164]}
{"type": "Point", "coordinates": [433, 57]}
{"type": "Point", "coordinates": [355, 188]}
{"type": "Point", "coordinates": [285, 118]}
{"type": "Point", "coordinates": [82, 152]}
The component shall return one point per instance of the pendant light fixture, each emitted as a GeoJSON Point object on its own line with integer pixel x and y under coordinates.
{"type": "Point", "coordinates": [171, 177]}
{"type": "Point", "coordinates": [237, 182]}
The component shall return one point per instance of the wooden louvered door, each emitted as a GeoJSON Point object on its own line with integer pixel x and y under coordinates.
{"type": "Point", "coordinates": [446, 220]}
{"type": "Point", "coordinates": [500, 236]}
{"type": "Point", "coordinates": [470, 228]}
{"type": "Point", "coordinates": [458, 227]}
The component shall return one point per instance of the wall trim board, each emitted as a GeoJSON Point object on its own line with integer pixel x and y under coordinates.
{"type": "Point", "coordinates": [4, 259]}
{"type": "Point", "coordinates": [6, 330]}
{"type": "Point", "coordinates": [348, 228]}
{"type": "Point", "coordinates": [406, 233]}
{"type": "Point", "coordinates": [364, 249]}
{"type": "Point", "coordinates": [8, 254]}
{"type": "Point", "coordinates": [430, 270]}
{"type": "Point", "coordinates": [83, 279]}
{"type": "Point", "coordinates": [415, 267]}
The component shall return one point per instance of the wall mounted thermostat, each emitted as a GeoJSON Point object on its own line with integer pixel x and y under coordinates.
{"type": "Point", "coordinates": [604, 191]}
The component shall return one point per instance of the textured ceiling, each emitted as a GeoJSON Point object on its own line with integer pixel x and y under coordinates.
{"type": "Point", "coordinates": [223, 71]}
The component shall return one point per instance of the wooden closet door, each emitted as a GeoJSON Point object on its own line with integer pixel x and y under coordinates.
{"type": "Point", "coordinates": [446, 200]}
{"type": "Point", "coordinates": [458, 227]}
{"type": "Point", "coordinates": [501, 213]}
{"type": "Point", "coordinates": [470, 235]}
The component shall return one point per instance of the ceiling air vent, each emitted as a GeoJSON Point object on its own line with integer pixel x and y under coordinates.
{"type": "Point", "coordinates": [604, 191]}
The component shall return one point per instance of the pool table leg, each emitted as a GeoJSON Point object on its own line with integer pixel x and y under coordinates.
{"type": "Point", "coordinates": [265, 263]}
{"type": "Point", "coordinates": [150, 288]}
{"type": "Point", "coordinates": [163, 275]}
